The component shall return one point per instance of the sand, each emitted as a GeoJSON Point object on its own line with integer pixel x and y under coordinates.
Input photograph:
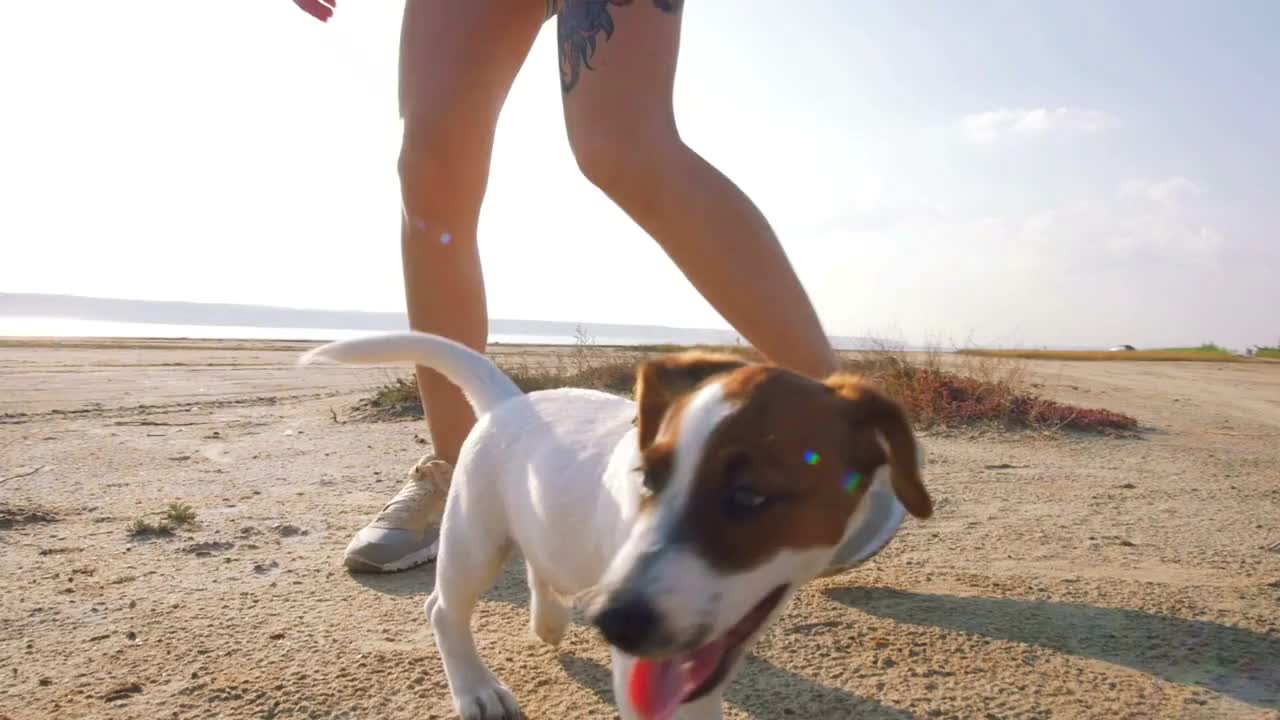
{"type": "Point", "coordinates": [1062, 577]}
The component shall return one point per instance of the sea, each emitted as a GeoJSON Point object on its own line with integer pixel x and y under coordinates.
{"type": "Point", "coordinates": [68, 316]}
{"type": "Point", "coordinates": [76, 328]}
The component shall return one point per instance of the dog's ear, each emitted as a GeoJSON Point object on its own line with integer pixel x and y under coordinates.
{"type": "Point", "coordinates": [660, 382]}
{"type": "Point", "coordinates": [866, 408]}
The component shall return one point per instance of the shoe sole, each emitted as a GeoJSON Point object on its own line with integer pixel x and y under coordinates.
{"type": "Point", "coordinates": [427, 554]}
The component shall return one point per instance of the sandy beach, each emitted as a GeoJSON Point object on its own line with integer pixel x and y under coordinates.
{"type": "Point", "coordinates": [1062, 577]}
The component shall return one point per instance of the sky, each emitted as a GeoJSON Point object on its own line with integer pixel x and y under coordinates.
{"type": "Point", "coordinates": [981, 173]}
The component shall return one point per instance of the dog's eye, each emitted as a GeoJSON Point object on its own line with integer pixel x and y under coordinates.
{"type": "Point", "coordinates": [746, 498]}
{"type": "Point", "coordinates": [741, 500]}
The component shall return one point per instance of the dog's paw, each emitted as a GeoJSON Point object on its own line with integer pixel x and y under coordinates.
{"type": "Point", "coordinates": [550, 622]}
{"type": "Point", "coordinates": [489, 702]}
{"type": "Point", "coordinates": [549, 631]}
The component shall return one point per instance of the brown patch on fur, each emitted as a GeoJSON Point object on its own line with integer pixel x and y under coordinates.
{"type": "Point", "coordinates": [869, 408]}
{"type": "Point", "coordinates": [661, 383]}
{"type": "Point", "coordinates": [658, 459]}
{"type": "Point", "coordinates": [763, 448]}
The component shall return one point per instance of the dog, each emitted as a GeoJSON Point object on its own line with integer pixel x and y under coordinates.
{"type": "Point", "coordinates": [681, 523]}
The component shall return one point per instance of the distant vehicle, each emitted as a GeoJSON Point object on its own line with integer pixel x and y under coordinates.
{"type": "Point", "coordinates": [1123, 348]}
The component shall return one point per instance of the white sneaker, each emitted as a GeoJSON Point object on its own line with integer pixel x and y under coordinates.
{"type": "Point", "coordinates": [406, 531]}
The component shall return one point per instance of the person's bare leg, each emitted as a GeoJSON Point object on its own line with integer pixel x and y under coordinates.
{"type": "Point", "coordinates": [621, 125]}
{"type": "Point", "coordinates": [457, 63]}
{"type": "Point", "coordinates": [623, 132]}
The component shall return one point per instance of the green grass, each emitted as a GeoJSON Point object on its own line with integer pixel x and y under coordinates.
{"type": "Point", "coordinates": [1270, 353]}
{"type": "Point", "coordinates": [176, 515]}
{"type": "Point", "coordinates": [179, 514]}
{"type": "Point", "coordinates": [145, 528]}
{"type": "Point", "coordinates": [1201, 349]}
{"type": "Point", "coordinates": [1169, 355]}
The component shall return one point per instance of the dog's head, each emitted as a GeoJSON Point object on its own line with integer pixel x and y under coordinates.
{"type": "Point", "coordinates": [750, 475]}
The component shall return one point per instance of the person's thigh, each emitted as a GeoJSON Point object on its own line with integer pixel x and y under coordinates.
{"type": "Point", "coordinates": [465, 52]}
{"type": "Point", "coordinates": [617, 64]}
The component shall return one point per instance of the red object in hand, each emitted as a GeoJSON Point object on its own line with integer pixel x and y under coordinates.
{"type": "Point", "coordinates": [322, 10]}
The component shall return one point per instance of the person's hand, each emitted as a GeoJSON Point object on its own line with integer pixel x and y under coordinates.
{"type": "Point", "coordinates": [322, 10]}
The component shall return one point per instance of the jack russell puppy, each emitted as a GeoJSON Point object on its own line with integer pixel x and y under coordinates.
{"type": "Point", "coordinates": [682, 522]}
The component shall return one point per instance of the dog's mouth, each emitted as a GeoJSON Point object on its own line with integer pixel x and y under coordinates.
{"type": "Point", "coordinates": [659, 687]}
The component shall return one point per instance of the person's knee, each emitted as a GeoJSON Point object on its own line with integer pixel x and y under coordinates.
{"type": "Point", "coordinates": [623, 162]}
{"type": "Point", "coordinates": [438, 168]}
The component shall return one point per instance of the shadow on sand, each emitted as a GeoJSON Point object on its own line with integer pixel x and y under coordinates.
{"type": "Point", "coordinates": [1238, 663]}
{"type": "Point", "coordinates": [761, 688]}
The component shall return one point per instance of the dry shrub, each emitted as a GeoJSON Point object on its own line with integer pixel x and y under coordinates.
{"type": "Point", "coordinates": [951, 390]}
{"type": "Point", "coordinates": [614, 375]}
{"type": "Point", "coordinates": [394, 400]}
{"type": "Point", "coordinates": [975, 390]}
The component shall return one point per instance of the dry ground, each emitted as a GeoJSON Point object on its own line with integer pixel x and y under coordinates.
{"type": "Point", "coordinates": [1072, 577]}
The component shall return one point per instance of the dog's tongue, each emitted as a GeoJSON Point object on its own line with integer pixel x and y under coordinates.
{"type": "Point", "coordinates": [658, 686]}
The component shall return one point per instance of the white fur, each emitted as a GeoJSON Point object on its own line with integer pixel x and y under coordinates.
{"type": "Point", "coordinates": [484, 385]}
{"type": "Point", "coordinates": [556, 474]}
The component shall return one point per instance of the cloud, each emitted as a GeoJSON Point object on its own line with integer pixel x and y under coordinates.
{"type": "Point", "coordinates": [1169, 192]}
{"type": "Point", "coordinates": [866, 204]}
{"type": "Point", "coordinates": [1088, 236]}
{"type": "Point", "coordinates": [988, 127]}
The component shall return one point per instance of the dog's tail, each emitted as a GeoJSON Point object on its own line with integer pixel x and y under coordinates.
{"type": "Point", "coordinates": [482, 382]}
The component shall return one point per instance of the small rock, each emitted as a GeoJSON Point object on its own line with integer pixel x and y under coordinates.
{"type": "Point", "coordinates": [276, 636]}
{"type": "Point", "coordinates": [180, 458]}
{"type": "Point", "coordinates": [205, 549]}
{"type": "Point", "coordinates": [264, 568]}
{"type": "Point", "coordinates": [122, 692]}
{"type": "Point", "coordinates": [1127, 486]}
{"type": "Point", "coordinates": [59, 550]}
{"type": "Point", "coordinates": [43, 682]}
{"type": "Point", "coordinates": [131, 636]}
{"type": "Point", "coordinates": [285, 530]}
{"type": "Point", "coordinates": [1128, 543]}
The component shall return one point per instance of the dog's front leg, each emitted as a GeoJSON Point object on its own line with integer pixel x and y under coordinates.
{"type": "Point", "coordinates": [708, 707]}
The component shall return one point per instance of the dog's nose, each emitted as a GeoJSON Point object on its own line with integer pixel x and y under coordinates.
{"type": "Point", "coordinates": [629, 624]}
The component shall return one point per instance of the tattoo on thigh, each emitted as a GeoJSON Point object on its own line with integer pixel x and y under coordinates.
{"type": "Point", "coordinates": [580, 23]}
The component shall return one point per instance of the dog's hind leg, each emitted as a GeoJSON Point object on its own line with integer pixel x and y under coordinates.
{"type": "Point", "coordinates": [549, 618]}
{"type": "Point", "coordinates": [472, 552]}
